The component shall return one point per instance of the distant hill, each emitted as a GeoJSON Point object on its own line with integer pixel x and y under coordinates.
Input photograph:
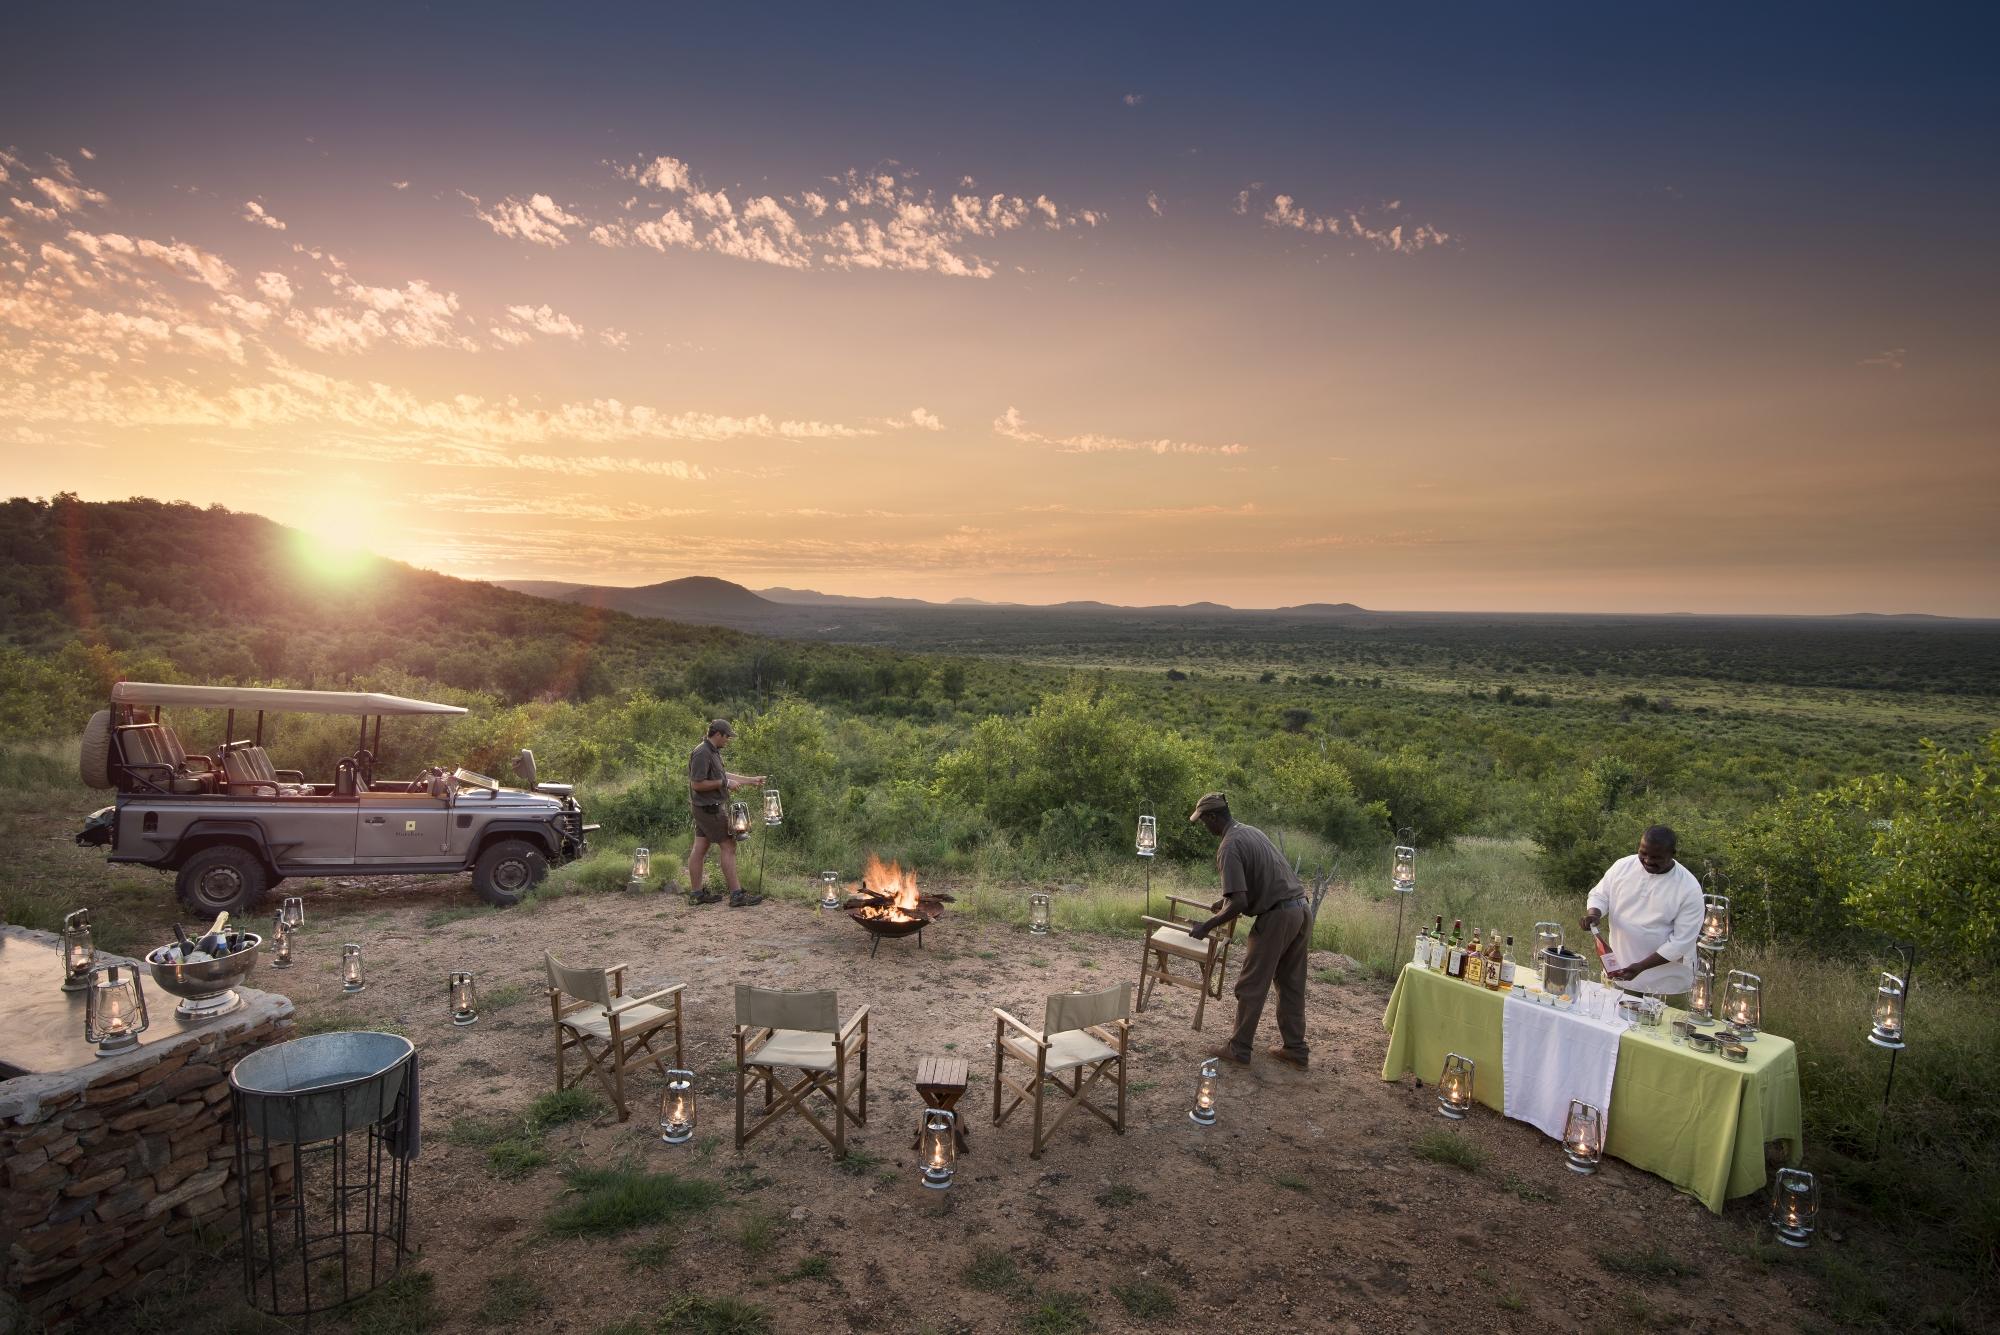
{"type": "Point", "coordinates": [1325, 610]}
{"type": "Point", "coordinates": [814, 598]}
{"type": "Point", "coordinates": [695, 598]}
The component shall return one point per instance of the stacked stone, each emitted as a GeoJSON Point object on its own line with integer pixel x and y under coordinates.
{"type": "Point", "coordinates": [101, 1182]}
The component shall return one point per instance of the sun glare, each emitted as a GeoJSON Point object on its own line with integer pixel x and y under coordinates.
{"type": "Point", "coordinates": [339, 536]}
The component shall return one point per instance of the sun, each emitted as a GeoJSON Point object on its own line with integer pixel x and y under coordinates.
{"type": "Point", "coordinates": [340, 531]}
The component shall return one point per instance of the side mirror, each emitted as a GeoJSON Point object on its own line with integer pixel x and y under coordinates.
{"type": "Point", "coordinates": [524, 768]}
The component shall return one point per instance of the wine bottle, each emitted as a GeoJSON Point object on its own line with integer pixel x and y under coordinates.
{"type": "Point", "coordinates": [181, 940]}
{"type": "Point", "coordinates": [215, 941]}
{"type": "Point", "coordinates": [1607, 959]}
{"type": "Point", "coordinates": [1507, 966]}
{"type": "Point", "coordinates": [1455, 959]}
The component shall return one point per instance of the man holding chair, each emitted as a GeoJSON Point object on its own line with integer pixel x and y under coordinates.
{"type": "Point", "coordinates": [1257, 881]}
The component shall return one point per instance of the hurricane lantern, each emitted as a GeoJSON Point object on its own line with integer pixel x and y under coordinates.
{"type": "Point", "coordinates": [1455, 1087]}
{"type": "Point", "coordinates": [774, 807]}
{"type": "Point", "coordinates": [1715, 921]}
{"type": "Point", "coordinates": [829, 889]}
{"type": "Point", "coordinates": [677, 1108]}
{"type": "Point", "coordinates": [1038, 914]}
{"type": "Point", "coordinates": [1403, 872]}
{"type": "Point", "coordinates": [464, 998]}
{"type": "Point", "coordinates": [1583, 1137]}
{"type": "Point", "coordinates": [1701, 992]}
{"type": "Point", "coordinates": [350, 968]}
{"type": "Point", "coordinates": [1743, 1004]}
{"type": "Point", "coordinates": [1794, 1205]}
{"type": "Point", "coordinates": [1206, 1086]}
{"type": "Point", "coordinates": [281, 941]}
{"type": "Point", "coordinates": [1548, 936]}
{"type": "Point", "coordinates": [114, 1012]}
{"type": "Point", "coordinates": [1149, 836]}
{"type": "Point", "coordinates": [938, 1148]}
{"type": "Point", "coordinates": [79, 953]}
{"type": "Point", "coordinates": [1888, 1030]}
{"type": "Point", "coordinates": [739, 820]}
{"type": "Point", "coordinates": [295, 912]}
{"type": "Point", "coordinates": [642, 865]}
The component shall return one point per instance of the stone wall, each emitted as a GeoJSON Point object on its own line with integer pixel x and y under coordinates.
{"type": "Point", "coordinates": [106, 1170]}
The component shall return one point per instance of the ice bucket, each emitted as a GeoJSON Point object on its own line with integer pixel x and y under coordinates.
{"type": "Point", "coordinates": [321, 1086]}
{"type": "Point", "coordinates": [1562, 973]}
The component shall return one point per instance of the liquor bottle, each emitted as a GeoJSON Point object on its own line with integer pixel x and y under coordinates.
{"type": "Point", "coordinates": [1475, 961]}
{"type": "Point", "coordinates": [1507, 966]}
{"type": "Point", "coordinates": [1492, 974]}
{"type": "Point", "coordinates": [1438, 946]}
{"type": "Point", "coordinates": [1420, 949]}
{"type": "Point", "coordinates": [1455, 959]}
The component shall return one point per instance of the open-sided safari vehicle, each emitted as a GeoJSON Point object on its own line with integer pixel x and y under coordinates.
{"type": "Point", "coordinates": [232, 825]}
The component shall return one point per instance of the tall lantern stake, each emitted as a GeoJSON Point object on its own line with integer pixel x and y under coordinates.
{"type": "Point", "coordinates": [1403, 880]}
{"type": "Point", "coordinates": [774, 816]}
{"type": "Point", "coordinates": [1146, 845]}
{"type": "Point", "coordinates": [1890, 999]}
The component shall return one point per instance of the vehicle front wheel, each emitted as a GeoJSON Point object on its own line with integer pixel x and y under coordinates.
{"type": "Point", "coordinates": [507, 871]}
{"type": "Point", "coordinates": [222, 879]}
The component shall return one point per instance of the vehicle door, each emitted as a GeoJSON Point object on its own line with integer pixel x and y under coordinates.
{"type": "Point", "coordinates": [403, 827]}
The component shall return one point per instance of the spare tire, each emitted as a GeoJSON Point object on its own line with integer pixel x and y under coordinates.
{"type": "Point", "coordinates": [94, 762]}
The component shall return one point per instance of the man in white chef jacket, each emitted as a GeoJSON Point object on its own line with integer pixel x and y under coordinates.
{"type": "Point", "coordinates": [1653, 905]}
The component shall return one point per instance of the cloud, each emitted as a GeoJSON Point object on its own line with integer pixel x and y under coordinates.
{"type": "Point", "coordinates": [1014, 427]}
{"type": "Point", "coordinates": [1285, 214]}
{"type": "Point", "coordinates": [1134, 99]}
{"type": "Point", "coordinates": [926, 421]}
{"type": "Point", "coordinates": [399, 185]}
{"type": "Point", "coordinates": [545, 320]}
{"type": "Point", "coordinates": [537, 219]}
{"type": "Point", "coordinates": [275, 286]}
{"type": "Point", "coordinates": [253, 212]}
{"type": "Point", "coordinates": [34, 210]}
{"type": "Point", "coordinates": [1153, 203]}
{"type": "Point", "coordinates": [1890, 359]}
{"type": "Point", "coordinates": [415, 315]}
{"type": "Point", "coordinates": [65, 191]}
{"type": "Point", "coordinates": [191, 262]}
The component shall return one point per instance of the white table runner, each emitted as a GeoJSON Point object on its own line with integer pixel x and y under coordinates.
{"type": "Point", "coordinates": [1550, 1056]}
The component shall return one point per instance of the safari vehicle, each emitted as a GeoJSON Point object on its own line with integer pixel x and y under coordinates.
{"type": "Point", "coordinates": [233, 825]}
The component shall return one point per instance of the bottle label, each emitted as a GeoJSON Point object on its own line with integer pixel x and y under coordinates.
{"type": "Point", "coordinates": [1474, 969]}
{"type": "Point", "coordinates": [1506, 973]}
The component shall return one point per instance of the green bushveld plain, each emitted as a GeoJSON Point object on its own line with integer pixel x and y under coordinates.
{"type": "Point", "coordinates": [1835, 777]}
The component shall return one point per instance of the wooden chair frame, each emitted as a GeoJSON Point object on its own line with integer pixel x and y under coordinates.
{"type": "Point", "coordinates": [606, 1058]}
{"type": "Point", "coordinates": [1154, 956]}
{"type": "Point", "coordinates": [1083, 1077]}
{"type": "Point", "coordinates": [850, 1052]}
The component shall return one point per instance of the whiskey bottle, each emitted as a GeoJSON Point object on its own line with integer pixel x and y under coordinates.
{"type": "Point", "coordinates": [1492, 975]}
{"type": "Point", "coordinates": [1455, 958]}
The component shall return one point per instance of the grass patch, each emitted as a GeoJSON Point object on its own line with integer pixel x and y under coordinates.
{"type": "Point", "coordinates": [858, 1163]}
{"type": "Point", "coordinates": [695, 1315]}
{"type": "Point", "coordinates": [606, 1201]}
{"type": "Point", "coordinates": [1451, 1149]}
{"type": "Point", "coordinates": [652, 1254]}
{"type": "Point", "coordinates": [1058, 1314]}
{"type": "Point", "coordinates": [810, 1267]}
{"type": "Point", "coordinates": [549, 1111]}
{"type": "Point", "coordinates": [446, 917]}
{"type": "Point", "coordinates": [1511, 1301]}
{"type": "Point", "coordinates": [758, 1233]}
{"type": "Point", "coordinates": [1119, 1195]}
{"type": "Point", "coordinates": [507, 994]}
{"type": "Point", "coordinates": [477, 1132]}
{"type": "Point", "coordinates": [992, 1271]}
{"type": "Point", "coordinates": [510, 1296]}
{"type": "Point", "coordinates": [1656, 1263]}
{"type": "Point", "coordinates": [1329, 976]}
{"type": "Point", "coordinates": [1292, 1181]}
{"type": "Point", "coordinates": [1145, 1299]}
{"type": "Point", "coordinates": [1525, 1189]}
{"type": "Point", "coordinates": [514, 1159]}
{"type": "Point", "coordinates": [405, 1305]}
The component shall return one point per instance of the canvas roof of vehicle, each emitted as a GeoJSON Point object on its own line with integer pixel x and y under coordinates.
{"type": "Point", "coordinates": [273, 699]}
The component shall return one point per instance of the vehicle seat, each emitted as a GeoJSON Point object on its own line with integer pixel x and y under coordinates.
{"type": "Point", "coordinates": [250, 766]}
{"type": "Point", "coordinates": [153, 758]}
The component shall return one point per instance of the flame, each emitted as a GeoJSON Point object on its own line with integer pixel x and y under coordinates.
{"type": "Point", "coordinates": [899, 885]}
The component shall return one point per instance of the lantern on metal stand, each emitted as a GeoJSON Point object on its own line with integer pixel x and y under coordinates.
{"type": "Point", "coordinates": [938, 1148]}
{"type": "Point", "coordinates": [1794, 1206]}
{"type": "Point", "coordinates": [1715, 921]}
{"type": "Point", "coordinates": [464, 998]}
{"type": "Point", "coordinates": [114, 1013]}
{"type": "Point", "coordinates": [79, 953]}
{"type": "Point", "coordinates": [1146, 845]}
{"type": "Point", "coordinates": [677, 1114]}
{"type": "Point", "coordinates": [1206, 1086]}
{"type": "Point", "coordinates": [1891, 995]}
{"type": "Point", "coordinates": [1455, 1087]}
{"type": "Point", "coordinates": [1403, 879]}
{"type": "Point", "coordinates": [774, 816]}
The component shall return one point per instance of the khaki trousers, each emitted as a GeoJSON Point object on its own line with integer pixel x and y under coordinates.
{"type": "Point", "coordinates": [1277, 950]}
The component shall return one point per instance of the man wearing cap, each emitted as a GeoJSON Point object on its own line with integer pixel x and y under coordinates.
{"type": "Point", "coordinates": [1257, 881]}
{"type": "Point", "coordinates": [709, 786]}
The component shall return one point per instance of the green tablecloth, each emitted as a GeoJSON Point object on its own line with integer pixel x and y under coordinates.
{"type": "Point", "coordinates": [1696, 1120]}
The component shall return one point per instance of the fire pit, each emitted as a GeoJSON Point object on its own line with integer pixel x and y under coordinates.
{"type": "Point", "coordinates": [887, 903]}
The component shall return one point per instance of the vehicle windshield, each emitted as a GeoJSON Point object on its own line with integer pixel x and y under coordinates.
{"type": "Point", "coordinates": [465, 778]}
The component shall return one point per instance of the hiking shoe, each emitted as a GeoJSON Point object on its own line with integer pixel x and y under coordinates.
{"type": "Point", "coordinates": [745, 901]}
{"type": "Point", "coordinates": [1225, 1053]}
{"type": "Point", "coordinates": [1287, 1056]}
{"type": "Point", "coordinates": [703, 896]}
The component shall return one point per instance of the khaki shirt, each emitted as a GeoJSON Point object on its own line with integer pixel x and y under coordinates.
{"type": "Point", "coordinates": [1254, 873]}
{"type": "Point", "coordinates": [706, 763]}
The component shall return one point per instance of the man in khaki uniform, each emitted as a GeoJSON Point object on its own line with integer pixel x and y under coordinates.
{"type": "Point", "coordinates": [1257, 881]}
{"type": "Point", "coordinates": [709, 786]}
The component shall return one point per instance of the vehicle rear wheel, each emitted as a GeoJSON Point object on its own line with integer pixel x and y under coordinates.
{"type": "Point", "coordinates": [222, 879]}
{"type": "Point", "coordinates": [507, 871]}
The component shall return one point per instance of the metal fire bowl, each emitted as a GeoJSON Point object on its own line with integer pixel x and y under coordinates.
{"type": "Point", "coordinates": [207, 989]}
{"type": "Point", "coordinates": [888, 927]}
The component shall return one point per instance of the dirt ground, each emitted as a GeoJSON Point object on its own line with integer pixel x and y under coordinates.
{"type": "Point", "coordinates": [1304, 1208]}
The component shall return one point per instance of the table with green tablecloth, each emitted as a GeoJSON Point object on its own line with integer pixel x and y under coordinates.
{"type": "Point", "coordinates": [1693, 1118]}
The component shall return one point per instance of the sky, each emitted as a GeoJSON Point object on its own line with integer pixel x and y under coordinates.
{"type": "Point", "coordinates": [1540, 308]}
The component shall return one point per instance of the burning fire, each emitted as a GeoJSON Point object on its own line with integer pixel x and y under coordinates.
{"type": "Point", "coordinates": [898, 889]}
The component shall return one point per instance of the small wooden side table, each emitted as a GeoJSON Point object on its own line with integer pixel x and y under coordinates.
{"type": "Point", "coordinates": [940, 1084]}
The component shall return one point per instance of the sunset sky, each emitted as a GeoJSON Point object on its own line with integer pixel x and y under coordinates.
{"type": "Point", "coordinates": [1412, 306]}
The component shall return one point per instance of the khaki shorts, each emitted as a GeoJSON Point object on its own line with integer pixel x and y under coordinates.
{"type": "Point", "coordinates": [713, 825]}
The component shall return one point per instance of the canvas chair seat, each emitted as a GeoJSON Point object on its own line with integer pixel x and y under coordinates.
{"type": "Point", "coordinates": [631, 1020]}
{"type": "Point", "coordinates": [1177, 940]}
{"type": "Point", "coordinates": [796, 1048]}
{"type": "Point", "coordinates": [1083, 1037]}
{"type": "Point", "coordinates": [1075, 1048]}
